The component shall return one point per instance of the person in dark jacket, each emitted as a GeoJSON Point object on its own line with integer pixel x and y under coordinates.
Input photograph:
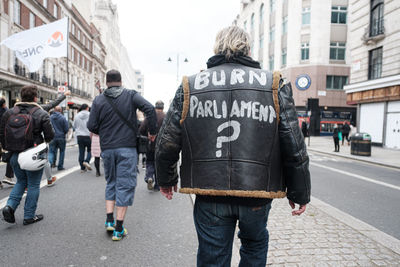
{"type": "Point", "coordinates": [237, 128]}
{"type": "Point", "coordinates": [113, 118]}
{"type": "Point", "coordinates": [8, 178]}
{"type": "Point", "coordinates": [60, 125]}
{"type": "Point", "coordinates": [345, 132]}
{"type": "Point", "coordinates": [336, 132]}
{"type": "Point", "coordinates": [42, 132]}
{"type": "Point", "coordinates": [144, 130]}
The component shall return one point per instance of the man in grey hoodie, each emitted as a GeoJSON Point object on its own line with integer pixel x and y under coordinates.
{"type": "Point", "coordinates": [83, 136]}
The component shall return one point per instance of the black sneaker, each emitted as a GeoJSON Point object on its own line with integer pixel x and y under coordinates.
{"type": "Point", "coordinates": [37, 218]}
{"type": "Point", "coordinates": [8, 214]}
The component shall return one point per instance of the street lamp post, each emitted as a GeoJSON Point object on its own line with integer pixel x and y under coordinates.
{"type": "Point", "coordinates": [177, 66]}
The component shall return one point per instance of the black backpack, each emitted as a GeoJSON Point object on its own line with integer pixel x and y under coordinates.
{"type": "Point", "coordinates": [19, 130]}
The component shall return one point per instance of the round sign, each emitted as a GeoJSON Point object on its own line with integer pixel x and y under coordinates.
{"type": "Point", "coordinates": [303, 82]}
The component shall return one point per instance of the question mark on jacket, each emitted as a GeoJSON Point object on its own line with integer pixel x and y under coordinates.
{"type": "Point", "coordinates": [223, 139]}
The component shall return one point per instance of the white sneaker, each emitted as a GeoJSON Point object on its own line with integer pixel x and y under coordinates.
{"type": "Point", "coordinates": [87, 165]}
{"type": "Point", "coordinates": [8, 180]}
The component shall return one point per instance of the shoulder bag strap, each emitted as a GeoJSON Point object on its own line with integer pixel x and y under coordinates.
{"type": "Point", "coordinates": [114, 107]}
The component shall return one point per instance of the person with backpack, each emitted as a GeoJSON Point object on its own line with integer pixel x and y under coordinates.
{"type": "Point", "coordinates": [22, 128]}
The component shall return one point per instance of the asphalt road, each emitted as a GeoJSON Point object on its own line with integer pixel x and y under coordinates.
{"type": "Point", "coordinates": [160, 232]}
{"type": "Point", "coordinates": [370, 193]}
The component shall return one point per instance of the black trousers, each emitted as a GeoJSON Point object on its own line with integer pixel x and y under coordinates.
{"type": "Point", "coordinates": [337, 146]}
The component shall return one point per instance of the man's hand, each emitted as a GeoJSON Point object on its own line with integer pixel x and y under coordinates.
{"type": "Point", "coordinates": [167, 192]}
{"type": "Point", "coordinates": [152, 137]}
{"type": "Point", "coordinates": [301, 209]}
{"type": "Point", "coordinates": [67, 93]}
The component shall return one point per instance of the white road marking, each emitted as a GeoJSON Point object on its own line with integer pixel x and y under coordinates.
{"type": "Point", "coordinates": [357, 176]}
{"type": "Point", "coordinates": [43, 183]}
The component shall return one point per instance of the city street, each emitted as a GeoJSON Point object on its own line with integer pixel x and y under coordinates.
{"type": "Point", "coordinates": [161, 232]}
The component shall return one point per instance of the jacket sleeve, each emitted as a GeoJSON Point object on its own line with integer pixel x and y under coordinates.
{"type": "Point", "coordinates": [169, 143]}
{"type": "Point", "coordinates": [143, 128]}
{"type": "Point", "coordinates": [66, 128]}
{"type": "Point", "coordinates": [295, 159]}
{"type": "Point", "coordinates": [48, 131]}
{"type": "Point", "coordinates": [149, 111]}
{"type": "Point", "coordinates": [93, 122]}
{"type": "Point", "coordinates": [53, 103]}
{"type": "Point", "coordinates": [3, 122]}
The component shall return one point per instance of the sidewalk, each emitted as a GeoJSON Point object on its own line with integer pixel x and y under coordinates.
{"type": "Point", "coordinates": [381, 156]}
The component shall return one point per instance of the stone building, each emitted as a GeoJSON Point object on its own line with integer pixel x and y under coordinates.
{"type": "Point", "coordinates": [374, 43]}
{"type": "Point", "coordinates": [86, 61]}
{"type": "Point", "coordinates": [307, 41]}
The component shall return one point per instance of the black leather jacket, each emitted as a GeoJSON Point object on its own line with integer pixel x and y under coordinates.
{"type": "Point", "coordinates": [294, 159]}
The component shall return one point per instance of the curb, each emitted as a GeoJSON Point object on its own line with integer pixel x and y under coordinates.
{"type": "Point", "coordinates": [363, 228]}
{"type": "Point", "coordinates": [354, 158]}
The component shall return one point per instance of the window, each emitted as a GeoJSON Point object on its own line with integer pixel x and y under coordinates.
{"type": "Point", "coordinates": [252, 22]}
{"type": "Point", "coordinates": [31, 20]}
{"type": "Point", "coordinates": [79, 34]}
{"type": "Point", "coordinates": [261, 13]}
{"type": "Point", "coordinates": [271, 63]}
{"type": "Point", "coordinates": [79, 59]}
{"type": "Point", "coordinates": [376, 24]}
{"type": "Point", "coordinates": [271, 6]}
{"type": "Point", "coordinates": [72, 54]}
{"type": "Point", "coordinates": [272, 34]}
{"type": "Point", "coordinates": [339, 14]}
{"type": "Point", "coordinates": [375, 63]}
{"type": "Point", "coordinates": [45, 3]}
{"type": "Point", "coordinates": [73, 28]}
{"type": "Point", "coordinates": [261, 41]}
{"type": "Point", "coordinates": [245, 26]}
{"type": "Point", "coordinates": [84, 39]}
{"type": "Point", "coordinates": [284, 53]}
{"type": "Point", "coordinates": [305, 51]}
{"type": "Point", "coordinates": [284, 25]}
{"type": "Point", "coordinates": [55, 11]}
{"type": "Point", "coordinates": [17, 12]}
{"type": "Point", "coordinates": [335, 82]}
{"type": "Point", "coordinates": [337, 51]}
{"type": "Point", "coordinates": [139, 87]}
{"type": "Point", "coordinates": [139, 80]}
{"type": "Point", "coordinates": [305, 16]}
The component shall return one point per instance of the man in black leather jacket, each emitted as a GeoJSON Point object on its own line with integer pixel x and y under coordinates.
{"type": "Point", "coordinates": [242, 146]}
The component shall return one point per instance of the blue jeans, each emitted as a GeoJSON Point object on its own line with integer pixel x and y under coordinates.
{"type": "Point", "coordinates": [215, 225]}
{"type": "Point", "coordinates": [53, 147]}
{"type": "Point", "coordinates": [25, 179]}
{"type": "Point", "coordinates": [120, 169]}
{"type": "Point", "coordinates": [84, 143]}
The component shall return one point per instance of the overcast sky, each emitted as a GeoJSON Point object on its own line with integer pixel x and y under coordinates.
{"type": "Point", "coordinates": [155, 30]}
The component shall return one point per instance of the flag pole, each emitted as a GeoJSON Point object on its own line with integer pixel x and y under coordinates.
{"type": "Point", "coordinates": [68, 54]}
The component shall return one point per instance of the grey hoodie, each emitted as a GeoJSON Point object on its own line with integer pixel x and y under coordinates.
{"type": "Point", "coordinates": [80, 123]}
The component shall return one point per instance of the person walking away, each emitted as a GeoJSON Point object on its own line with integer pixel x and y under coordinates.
{"type": "Point", "coordinates": [144, 130]}
{"type": "Point", "coordinates": [113, 118]}
{"type": "Point", "coordinates": [8, 178]}
{"type": "Point", "coordinates": [96, 151]}
{"type": "Point", "coordinates": [345, 133]}
{"type": "Point", "coordinates": [83, 136]}
{"type": "Point", "coordinates": [235, 180]}
{"type": "Point", "coordinates": [60, 126]}
{"type": "Point", "coordinates": [336, 138]}
{"type": "Point", "coordinates": [23, 127]}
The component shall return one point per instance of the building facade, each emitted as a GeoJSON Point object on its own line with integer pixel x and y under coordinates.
{"type": "Point", "coordinates": [104, 14]}
{"type": "Point", "coordinates": [374, 38]}
{"type": "Point", "coordinates": [307, 41]}
{"type": "Point", "coordinates": [86, 53]}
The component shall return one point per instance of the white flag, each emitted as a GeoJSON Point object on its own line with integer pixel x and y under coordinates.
{"type": "Point", "coordinates": [34, 45]}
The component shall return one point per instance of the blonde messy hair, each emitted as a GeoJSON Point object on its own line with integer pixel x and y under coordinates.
{"type": "Point", "coordinates": [232, 41]}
